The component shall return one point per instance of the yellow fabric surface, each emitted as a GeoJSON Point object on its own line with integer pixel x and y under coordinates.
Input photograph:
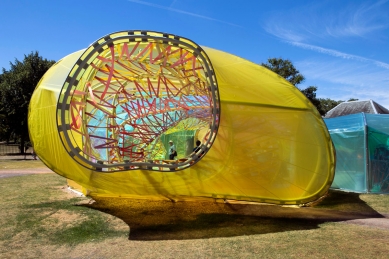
{"type": "Point", "coordinates": [272, 145]}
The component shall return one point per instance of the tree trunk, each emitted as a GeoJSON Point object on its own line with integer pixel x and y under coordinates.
{"type": "Point", "coordinates": [21, 147]}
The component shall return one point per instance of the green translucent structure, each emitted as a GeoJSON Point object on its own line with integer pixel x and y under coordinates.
{"type": "Point", "coordinates": [362, 152]}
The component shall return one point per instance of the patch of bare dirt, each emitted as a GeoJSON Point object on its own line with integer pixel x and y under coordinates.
{"type": "Point", "coordinates": [60, 219]}
{"type": "Point", "coordinates": [382, 223]}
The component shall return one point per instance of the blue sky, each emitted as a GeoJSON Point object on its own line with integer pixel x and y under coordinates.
{"type": "Point", "coordinates": [342, 47]}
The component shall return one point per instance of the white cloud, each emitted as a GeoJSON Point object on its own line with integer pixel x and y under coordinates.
{"type": "Point", "coordinates": [352, 73]}
{"type": "Point", "coordinates": [182, 12]}
{"type": "Point", "coordinates": [343, 80]}
{"type": "Point", "coordinates": [358, 21]}
{"type": "Point", "coordinates": [319, 21]}
{"type": "Point", "coordinates": [343, 55]}
{"type": "Point", "coordinates": [341, 75]}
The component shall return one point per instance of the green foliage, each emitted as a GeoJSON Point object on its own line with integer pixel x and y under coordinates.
{"type": "Point", "coordinates": [323, 105]}
{"type": "Point", "coordinates": [16, 87]}
{"type": "Point", "coordinates": [310, 93]}
{"type": "Point", "coordinates": [4, 128]}
{"type": "Point", "coordinates": [326, 104]}
{"type": "Point", "coordinates": [284, 68]}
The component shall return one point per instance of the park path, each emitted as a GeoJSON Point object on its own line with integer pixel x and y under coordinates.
{"type": "Point", "coordinates": [19, 172]}
{"type": "Point", "coordinates": [10, 172]}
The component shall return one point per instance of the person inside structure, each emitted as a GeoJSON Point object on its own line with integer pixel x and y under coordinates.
{"type": "Point", "coordinates": [172, 150]}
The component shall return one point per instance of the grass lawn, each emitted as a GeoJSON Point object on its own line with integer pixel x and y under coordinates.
{"type": "Point", "coordinates": [39, 218]}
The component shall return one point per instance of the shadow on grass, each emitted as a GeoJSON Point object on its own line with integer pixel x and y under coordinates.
{"type": "Point", "coordinates": [166, 220]}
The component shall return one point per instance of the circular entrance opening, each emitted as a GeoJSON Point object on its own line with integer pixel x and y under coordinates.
{"type": "Point", "coordinates": [135, 97]}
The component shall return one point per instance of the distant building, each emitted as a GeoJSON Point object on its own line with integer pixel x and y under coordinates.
{"type": "Point", "coordinates": [353, 107]}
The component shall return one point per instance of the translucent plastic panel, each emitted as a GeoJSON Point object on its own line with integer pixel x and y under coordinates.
{"type": "Point", "coordinates": [348, 135]}
{"type": "Point", "coordinates": [378, 132]}
{"type": "Point", "coordinates": [360, 168]}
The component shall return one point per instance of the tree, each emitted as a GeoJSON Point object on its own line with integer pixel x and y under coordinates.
{"type": "Point", "coordinates": [310, 93]}
{"type": "Point", "coordinates": [16, 88]}
{"type": "Point", "coordinates": [5, 132]}
{"type": "Point", "coordinates": [3, 124]}
{"type": "Point", "coordinates": [286, 69]}
{"type": "Point", "coordinates": [326, 104]}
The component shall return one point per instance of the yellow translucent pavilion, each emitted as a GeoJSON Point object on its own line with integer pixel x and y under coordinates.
{"type": "Point", "coordinates": [103, 117]}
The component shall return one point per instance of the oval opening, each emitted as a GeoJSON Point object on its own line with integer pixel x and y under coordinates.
{"type": "Point", "coordinates": [132, 96]}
